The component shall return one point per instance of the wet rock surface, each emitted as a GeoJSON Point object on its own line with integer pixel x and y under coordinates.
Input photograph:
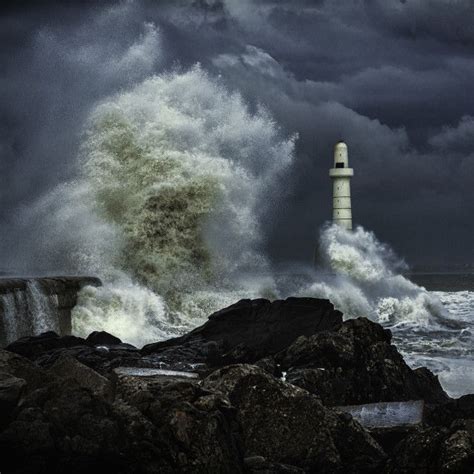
{"type": "Point", "coordinates": [266, 380]}
{"type": "Point", "coordinates": [252, 329]}
{"type": "Point", "coordinates": [354, 365]}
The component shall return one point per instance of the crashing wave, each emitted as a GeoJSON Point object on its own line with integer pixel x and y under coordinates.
{"type": "Point", "coordinates": [363, 278]}
{"type": "Point", "coordinates": [179, 172]}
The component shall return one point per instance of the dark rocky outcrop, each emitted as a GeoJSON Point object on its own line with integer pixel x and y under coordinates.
{"type": "Point", "coordinates": [434, 450]}
{"type": "Point", "coordinates": [74, 423]}
{"type": "Point", "coordinates": [356, 364]}
{"type": "Point", "coordinates": [102, 338]}
{"type": "Point", "coordinates": [260, 400]}
{"type": "Point", "coordinates": [45, 349]}
{"type": "Point", "coordinates": [33, 346]}
{"type": "Point", "coordinates": [288, 425]}
{"type": "Point", "coordinates": [447, 413]}
{"type": "Point", "coordinates": [252, 329]}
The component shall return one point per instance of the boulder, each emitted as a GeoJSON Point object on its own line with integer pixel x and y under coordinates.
{"type": "Point", "coordinates": [356, 364]}
{"type": "Point", "coordinates": [252, 329]}
{"type": "Point", "coordinates": [23, 369]}
{"type": "Point", "coordinates": [447, 413]}
{"type": "Point", "coordinates": [100, 351]}
{"type": "Point", "coordinates": [11, 390]}
{"type": "Point", "coordinates": [68, 425]}
{"type": "Point", "coordinates": [67, 367]}
{"type": "Point", "coordinates": [259, 465]}
{"type": "Point", "coordinates": [33, 346]}
{"type": "Point", "coordinates": [285, 424]}
{"type": "Point", "coordinates": [434, 450]}
{"type": "Point", "coordinates": [102, 338]}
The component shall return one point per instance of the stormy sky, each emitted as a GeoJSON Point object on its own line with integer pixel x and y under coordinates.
{"type": "Point", "coordinates": [393, 78]}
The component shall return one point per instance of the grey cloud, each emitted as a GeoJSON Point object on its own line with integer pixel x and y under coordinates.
{"type": "Point", "coordinates": [392, 78]}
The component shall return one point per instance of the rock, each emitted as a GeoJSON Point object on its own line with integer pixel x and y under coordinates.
{"type": "Point", "coordinates": [252, 329]}
{"type": "Point", "coordinates": [33, 346]}
{"type": "Point", "coordinates": [447, 413]}
{"type": "Point", "coordinates": [417, 453]}
{"type": "Point", "coordinates": [258, 464]}
{"type": "Point", "coordinates": [11, 390]}
{"type": "Point", "coordinates": [287, 425]}
{"type": "Point", "coordinates": [22, 368]}
{"type": "Point", "coordinates": [60, 428]}
{"type": "Point", "coordinates": [48, 347]}
{"type": "Point", "coordinates": [457, 453]}
{"type": "Point", "coordinates": [389, 438]}
{"type": "Point", "coordinates": [102, 338]}
{"type": "Point", "coordinates": [102, 359]}
{"type": "Point", "coordinates": [355, 365]}
{"type": "Point", "coordinates": [434, 450]}
{"type": "Point", "coordinates": [67, 367]}
{"type": "Point", "coordinates": [96, 404]}
{"type": "Point", "coordinates": [68, 426]}
{"type": "Point", "coordinates": [200, 426]}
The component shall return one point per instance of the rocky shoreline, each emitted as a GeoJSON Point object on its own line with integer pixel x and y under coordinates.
{"type": "Point", "coordinates": [261, 387]}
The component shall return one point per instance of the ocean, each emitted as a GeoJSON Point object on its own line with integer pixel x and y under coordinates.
{"type": "Point", "coordinates": [448, 351]}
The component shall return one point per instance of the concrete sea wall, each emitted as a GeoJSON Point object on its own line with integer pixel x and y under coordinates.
{"type": "Point", "coordinates": [33, 305]}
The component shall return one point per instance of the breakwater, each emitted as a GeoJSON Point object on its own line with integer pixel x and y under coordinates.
{"type": "Point", "coordinates": [30, 306]}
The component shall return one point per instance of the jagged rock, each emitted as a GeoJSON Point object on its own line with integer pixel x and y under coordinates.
{"type": "Point", "coordinates": [11, 389]}
{"type": "Point", "coordinates": [102, 359]}
{"type": "Point", "coordinates": [48, 347]}
{"type": "Point", "coordinates": [32, 346]}
{"type": "Point", "coordinates": [68, 408]}
{"type": "Point", "coordinates": [22, 368]}
{"type": "Point", "coordinates": [252, 329]}
{"type": "Point", "coordinates": [259, 465]}
{"type": "Point", "coordinates": [67, 367]}
{"type": "Point", "coordinates": [72, 423]}
{"type": "Point", "coordinates": [286, 424]}
{"type": "Point", "coordinates": [434, 450]}
{"type": "Point", "coordinates": [64, 427]}
{"type": "Point", "coordinates": [457, 453]}
{"type": "Point", "coordinates": [98, 338]}
{"type": "Point", "coordinates": [199, 425]}
{"type": "Point", "coordinates": [354, 365]}
{"type": "Point", "coordinates": [446, 413]}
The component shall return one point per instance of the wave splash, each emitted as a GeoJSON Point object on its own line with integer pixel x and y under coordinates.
{"type": "Point", "coordinates": [362, 277]}
{"type": "Point", "coordinates": [176, 172]}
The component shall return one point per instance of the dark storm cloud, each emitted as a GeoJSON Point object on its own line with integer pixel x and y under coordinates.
{"type": "Point", "coordinates": [391, 77]}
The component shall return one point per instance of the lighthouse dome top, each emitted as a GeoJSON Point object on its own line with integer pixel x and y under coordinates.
{"type": "Point", "coordinates": [341, 159]}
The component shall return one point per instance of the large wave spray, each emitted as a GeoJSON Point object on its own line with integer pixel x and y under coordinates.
{"type": "Point", "coordinates": [363, 277]}
{"type": "Point", "coordinates": [177, 174]}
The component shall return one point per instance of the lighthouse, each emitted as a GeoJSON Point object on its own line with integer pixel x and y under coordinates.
{"type": "Point", "coordinates": [341, 185]}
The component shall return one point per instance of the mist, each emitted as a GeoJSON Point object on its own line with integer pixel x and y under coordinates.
{"type": "Point", "coordinates": [391, 78]}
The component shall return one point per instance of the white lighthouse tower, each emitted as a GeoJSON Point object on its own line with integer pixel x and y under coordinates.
{"type": "Point", "coordinates": [341, 180]}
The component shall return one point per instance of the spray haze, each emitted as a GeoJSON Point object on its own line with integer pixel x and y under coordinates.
{"type": "Point", "coordinates": [177, 172]}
